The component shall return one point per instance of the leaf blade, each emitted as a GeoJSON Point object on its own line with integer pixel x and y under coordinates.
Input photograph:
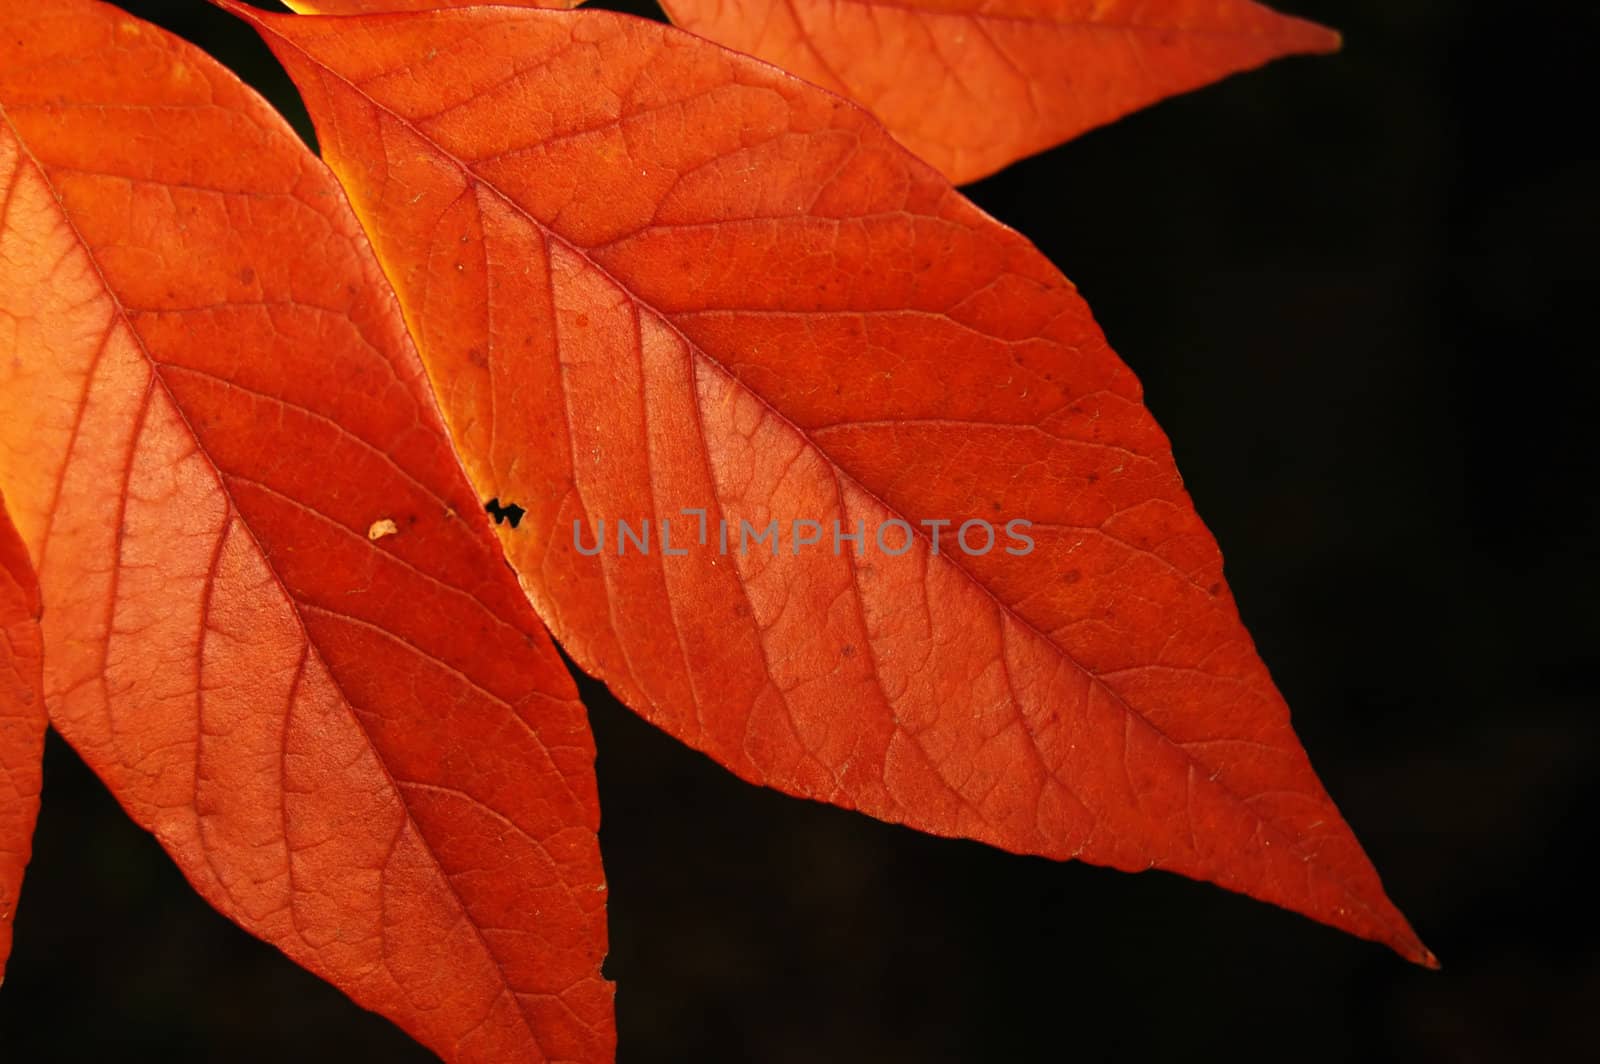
{"type": "Point", "coordinates": [972, 85]}
{"type": "Point", "coordinates": [692, 284]}
{"type": "Point", "coordinates": [363, 750]}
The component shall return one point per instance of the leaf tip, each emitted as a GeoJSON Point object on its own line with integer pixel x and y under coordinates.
{"type": "Point", "coordinates": [1301, 36]}
{"type": "Point", "coordinates": [1313, 38]}
{"type": "Point", "coordinates": [1409, 946]}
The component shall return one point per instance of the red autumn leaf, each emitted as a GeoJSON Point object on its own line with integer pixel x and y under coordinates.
{"type": "Point", "coordinates": [648, 275]}
{"type": "Point", "coordinates": [275, 621]}
{"type": "Point", "coordinates": [972, 85]}
{"type": "Point", "coordinates": [22, 721]}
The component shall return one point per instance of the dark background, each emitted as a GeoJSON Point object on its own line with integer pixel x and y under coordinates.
{"type": "Point", "coordinates": [1360, 292]}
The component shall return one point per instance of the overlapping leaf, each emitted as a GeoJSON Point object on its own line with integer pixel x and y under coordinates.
{"type": "Point", "coordinates": [22, 721]}
{"type": "Point", "coordinates": [275, 621]}
{"type": "Point", "coordinates": [651, 276]}
{"type": "Point", "coordinates": [972, 85]}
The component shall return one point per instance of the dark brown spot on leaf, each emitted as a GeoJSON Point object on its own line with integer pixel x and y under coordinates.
{"type": "Point", "coordinates": [510, 512]}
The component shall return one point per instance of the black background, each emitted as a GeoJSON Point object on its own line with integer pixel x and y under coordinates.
{"type": "Point", "coordinates": [1360, 293]}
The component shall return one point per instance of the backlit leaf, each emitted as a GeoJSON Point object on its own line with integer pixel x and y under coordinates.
{"type": "Point", "coordinates": [361, 747]}
{"type": "Point", "coordinates": [649, 275]}
{"type": "Point", "coordinates": [971, 85]}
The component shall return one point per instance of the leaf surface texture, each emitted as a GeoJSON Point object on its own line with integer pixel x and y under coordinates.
{"type": "Point", "coordinates": [648, 275]}
{"type": "Point", "coordinates": [363, 749]}
{"type": "Point", "coordinates": [973, 85]}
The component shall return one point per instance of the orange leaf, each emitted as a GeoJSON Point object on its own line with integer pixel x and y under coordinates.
{"type": "Point", "coordinates": [22, 721]}
{"type": "Point", "coordinates": [650, 275]}
{"type": "Point", "coordinates": [972, 85]}
{"type": "Point", "coordinates": [363, 750]}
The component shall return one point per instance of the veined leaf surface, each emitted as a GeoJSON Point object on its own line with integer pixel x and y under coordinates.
{"type": "Point", "coordinates": [275, 621]}
{"type": "Point", "coordinates": [649, 276]}
{"type": "Point", "coordinates": [973, 85]}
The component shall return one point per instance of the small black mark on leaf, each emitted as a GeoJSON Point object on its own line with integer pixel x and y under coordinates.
{"type": "Point", "coordinates": [509, 512]}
